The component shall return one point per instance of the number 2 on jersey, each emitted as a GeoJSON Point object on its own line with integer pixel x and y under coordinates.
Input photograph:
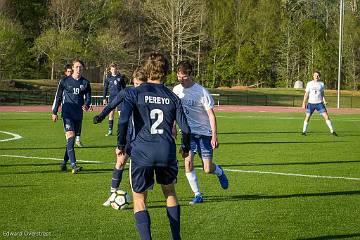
{"type": "Point", "coordinates": [160, 119]}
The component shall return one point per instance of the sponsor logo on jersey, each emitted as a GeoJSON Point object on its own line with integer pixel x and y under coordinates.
{"type": "Point", "coordinates": [115, 82]}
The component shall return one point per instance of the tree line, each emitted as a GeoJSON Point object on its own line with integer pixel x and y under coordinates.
{"type": "Point", "coordinates": [269, 43]}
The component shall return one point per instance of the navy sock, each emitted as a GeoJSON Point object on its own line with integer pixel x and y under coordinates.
{"type": "Point", "coordinates": [116, 177]}
{"type": "Point", "coordinates": [173, 214]}
{"type": "Point", "coordinates": [66, 157]}
{"type": "Point", "coordinates": [111, 124]}
{"type": "Point", "coordinates": [143, 223]}
{"type": "Point", "coordinates": [71, 151]}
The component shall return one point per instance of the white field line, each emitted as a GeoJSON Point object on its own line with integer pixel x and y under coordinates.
{"type": "Point", "coordinates": [290, 118]}
{"type": "Point", "coordinates": [15, 136]}
{"type": "Point", "coordinates": [228, 170]}
{"type": "Point", "coordinates": [292, 174]}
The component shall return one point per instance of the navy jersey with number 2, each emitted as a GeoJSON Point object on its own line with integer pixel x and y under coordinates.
{"type": "Point", "coordinates": [154, 108]}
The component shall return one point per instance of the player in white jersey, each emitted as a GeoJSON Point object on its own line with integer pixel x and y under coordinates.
{"type": "Point", "coordinates": [198, 106]}
{"type": "Point", "coordinates": [315, 98]}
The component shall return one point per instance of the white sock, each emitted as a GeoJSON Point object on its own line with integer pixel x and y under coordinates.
{"type": "Point", "coordinates": [217, 171]}
{"type": "Point", "coordinates": [193, 181]}
{"type": "Point", "coordinates": [305, 126]}
{"type": "Point", "coordinates": [77, 138]}
{"type": "Point", "coordinates": [328, 123]}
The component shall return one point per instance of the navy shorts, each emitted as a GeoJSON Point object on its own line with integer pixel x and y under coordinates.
{"type": "Point", "coordinates": [311, 107]}
{"type": "Point", "coordinates": [202, 145]}
{"type": "Point", "coordinates": [142, 177]}
{"type": "Point", "coordinates": [111, 97]}
{"type": "Point", "coordinates": [72, 125]}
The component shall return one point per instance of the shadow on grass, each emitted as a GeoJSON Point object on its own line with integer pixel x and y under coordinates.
{"type": "Point", "coordinates": [209, 199]}
{"type": "Point", "coordinates": [61, 147]}
{"type": "Point", "coordinates": [279, 142]}
{"type": "Point", "coordinates": [329, 237]}
{"type": "Point", "coordinates": [17, 186]}
{"type": "Point", "coordinates": [288, 163]}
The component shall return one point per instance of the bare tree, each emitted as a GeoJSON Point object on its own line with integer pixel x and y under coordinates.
{"type": "Point", "coordinates": [176, 24]}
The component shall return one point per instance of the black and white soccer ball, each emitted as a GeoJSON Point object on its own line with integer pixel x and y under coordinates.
{"type": "Point", "coordinates": [119, 200]}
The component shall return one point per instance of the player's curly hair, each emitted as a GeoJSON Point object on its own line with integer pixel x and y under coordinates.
{"type": "Point", "coordinates": [185, 67]}
{"type": "Point", "coordinates": [156, 66]}
{"type": "Point", "coordinates": [140, 74]}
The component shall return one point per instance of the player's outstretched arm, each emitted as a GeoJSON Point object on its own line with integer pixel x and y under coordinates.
{"type": "Point", "coordinates": [306, 96]}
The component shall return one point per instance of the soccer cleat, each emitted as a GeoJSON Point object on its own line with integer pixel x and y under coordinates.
{"type": "Point", "coordinates": [334, 134]}
{"type": "Point", "coordinates": [63, 167]}
{"type": "Point", "coordinates": [303, 133]}
{"type": "Point", "coordinates": [109, 133]}
{"type": "Point", "coordinates": [197, 199]}
{"type": "Point", "coordinates": [76, 169]}
{"type": "Point", "coordinates": [79, 144]}
{"type": "Point", "coordinates": [107, 202]}
{"type": "Point", "coordinates": [223, 179]}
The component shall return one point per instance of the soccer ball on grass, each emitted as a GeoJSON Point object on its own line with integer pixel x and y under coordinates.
{"type": "Point", "coordinates": [119, 200]}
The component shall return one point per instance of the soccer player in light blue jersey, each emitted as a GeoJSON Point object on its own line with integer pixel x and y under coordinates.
{"type": "Point", "coordinates": [70, 95]}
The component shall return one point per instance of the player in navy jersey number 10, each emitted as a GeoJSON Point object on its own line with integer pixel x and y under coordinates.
{"type": "Point", "coordinates": [155, 109]}
{"type": "Point", "coordinates": [70, 95]}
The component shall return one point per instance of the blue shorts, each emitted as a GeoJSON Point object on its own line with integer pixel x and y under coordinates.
{"type": "Point", "coordinates": [111, 97]}
{"type": "Point", "coordinates": [311, 107]}
{"type": "Point", "coordinates": [201, 144]}
{"type": "Point", "coordinates": [72, 125]}
{"type": "Point", "coordinates": [142, 177]}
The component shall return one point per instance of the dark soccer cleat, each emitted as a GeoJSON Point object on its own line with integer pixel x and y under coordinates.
{"type": "Point", "coordinates": [223, 179]}
{"type": "Point", "coordinates": [76, 169]}
{"type": "Point", "coordinates": [63, 167]}
{"type": "Point", "coordinates": [334, 134]}
{"type": "Point", "coordinates": [197, 199]}
{"type": "Point", "coordinates": [303, 133]}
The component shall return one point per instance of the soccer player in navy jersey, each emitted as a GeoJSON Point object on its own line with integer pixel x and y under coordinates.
{"type": "Point", "coordinates": [68, 72]}
{"type": "Point", "coordinates": [70, 95]}
{"type": "Point", "coordinates": [139, 77]}
{"type": "Point", "coordinates": [155, 109]}
{"type": "Point", "coordinates": [113, 84]}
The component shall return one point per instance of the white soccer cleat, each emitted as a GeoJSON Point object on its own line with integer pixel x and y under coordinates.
{"type": "Point", "coordinates": [107, 203]}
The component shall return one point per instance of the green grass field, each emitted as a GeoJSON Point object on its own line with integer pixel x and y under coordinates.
{"type": "Point", "coordinates": [282, 185]}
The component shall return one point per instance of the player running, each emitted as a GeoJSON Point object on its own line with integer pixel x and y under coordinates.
{"type": "Point", "coordinates": [199, 109]}
{"type": "Point", "coordinates": [315, 98]}
{"type": "Point", "coordinates": [70, 95]}
{"type": "Point", "coordinates": [154, 108]}
{"type": "Point", "coordinates": [139, 77]}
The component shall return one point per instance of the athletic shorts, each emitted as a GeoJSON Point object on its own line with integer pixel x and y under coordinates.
{"type": "Point", "coordinates": [72, 125]}
{"type": "Point", "coordinates": [311, 107]}
{"type": "Point", "coordinates": [202, 145]}
{"type": "Point", "coordinates": [118, 108]}
{"type": "Point", "coordinates": [142, 177]}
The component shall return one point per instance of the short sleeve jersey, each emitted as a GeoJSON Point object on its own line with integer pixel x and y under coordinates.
{"type": "Point", "coordinates": [196, 100]}
{"type": "Point", "coordinates": [154, 108]}
{"type": "Point", "coordinates": [72, 94]}
{"type": "Point", "coordinates": [113, 85]}
{"type": "Point", "coordinates": [315, 89]}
